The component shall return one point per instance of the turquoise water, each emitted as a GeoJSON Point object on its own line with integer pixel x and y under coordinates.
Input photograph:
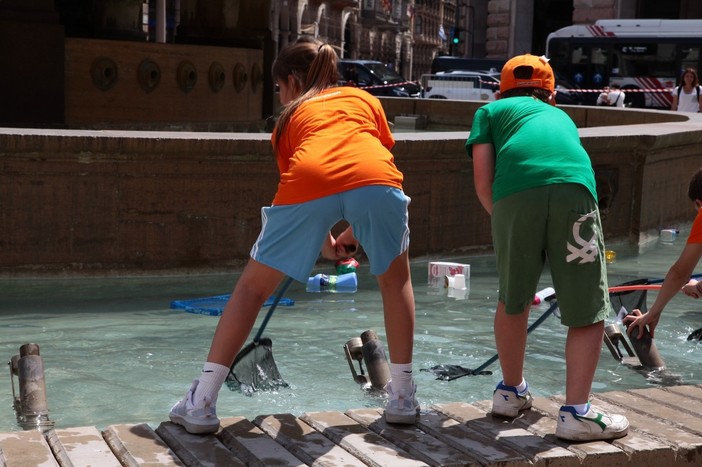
{"type": "Point", "coordinates": [114, 352]}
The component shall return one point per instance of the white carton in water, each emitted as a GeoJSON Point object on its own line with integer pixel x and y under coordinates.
{"type": "Point", "coordinates": [438, 270]}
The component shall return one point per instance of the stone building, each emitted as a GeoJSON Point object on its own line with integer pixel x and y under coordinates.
{"type": "Point", "coordinates": [72, 63]}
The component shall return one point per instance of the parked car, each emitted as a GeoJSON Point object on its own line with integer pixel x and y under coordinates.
{"type": "Point", "coordinates": [461, 85]}
{"type": "Point", "coordinates": [376, 78]}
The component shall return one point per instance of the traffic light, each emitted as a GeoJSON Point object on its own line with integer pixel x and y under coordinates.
{"type": "Point", "coordinates": [456, 39]}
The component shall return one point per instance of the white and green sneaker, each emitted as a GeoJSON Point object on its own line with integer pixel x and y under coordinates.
{"type": "Point", "coordinates": [595, 424]}
{"type": "Point", "coordinates": [508, 402]}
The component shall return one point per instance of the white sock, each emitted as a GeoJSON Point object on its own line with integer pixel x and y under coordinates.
{"type": "Point", "coordinates": [211, 379]}
{"type": "Point", "coordinates": [581, 409]}
{"type": "Point", "coordinates": [401, 376]}
{"type": "Point", "coordinates": [522, 387]}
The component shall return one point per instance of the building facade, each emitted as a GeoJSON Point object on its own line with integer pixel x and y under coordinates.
{"type": "Point", "coordinates": [111, 62]}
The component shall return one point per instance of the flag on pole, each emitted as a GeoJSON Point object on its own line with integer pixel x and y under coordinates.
{"type": "Point", "coordinates": [442, 33]}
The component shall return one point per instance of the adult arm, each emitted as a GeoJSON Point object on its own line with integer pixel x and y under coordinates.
{"type": "Point", "coordinates": [674, 105]}
{"type": "Point", "coordinates": [484, 173]}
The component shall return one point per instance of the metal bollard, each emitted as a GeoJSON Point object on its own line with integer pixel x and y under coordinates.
{"type": "Point", "coordinates": [376, 361]}
{"type": "Point", "coordinates": [646, 350]}
{"type": "Point", "coordinates": [30, 406]}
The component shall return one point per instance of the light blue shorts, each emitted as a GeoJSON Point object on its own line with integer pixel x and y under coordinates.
{"type": "Point", "coordinates": [291, 235]}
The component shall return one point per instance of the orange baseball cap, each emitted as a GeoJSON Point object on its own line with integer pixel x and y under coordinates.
{"type": "Point", "coordinates": [541, 75]}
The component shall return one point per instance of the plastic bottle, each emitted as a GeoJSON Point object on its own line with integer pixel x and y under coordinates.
{"type": "Point", "coordinates": [541, 295]}
{"type": "Point", "coordinates": [345, 266]}
{"type": "Point", "coordinates": [345, 283]}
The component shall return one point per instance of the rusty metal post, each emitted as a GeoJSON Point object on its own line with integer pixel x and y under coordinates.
{"type": "Point", "coordinates": [33, 410]}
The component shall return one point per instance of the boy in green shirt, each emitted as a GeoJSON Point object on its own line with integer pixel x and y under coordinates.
{"type": "Point", "coordinates": [535, 179]}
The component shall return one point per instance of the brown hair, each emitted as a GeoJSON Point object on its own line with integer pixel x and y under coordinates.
{"type": "Point", "coordinates": [313, 65]}
{"type": "Point", "coordinates": [695, 82]}
{"type": "Point", "coordinates": [695, 189]}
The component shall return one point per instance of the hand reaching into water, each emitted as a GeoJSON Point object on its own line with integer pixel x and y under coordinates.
{"type": "Point", "coordinates": [638, 320]}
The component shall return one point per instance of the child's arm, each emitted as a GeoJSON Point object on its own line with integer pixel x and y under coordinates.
{"type": "Point", "coordinates": [484, 173]}
{"type": "Point", "coordinates": [678, 275]}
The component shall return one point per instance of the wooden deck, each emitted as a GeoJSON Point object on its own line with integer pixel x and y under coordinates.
{"type": "Point", "coordinates": [666, 430]}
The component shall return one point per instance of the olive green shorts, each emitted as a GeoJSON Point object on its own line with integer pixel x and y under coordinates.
{"type": "Point", "coordinates": [559, 223]}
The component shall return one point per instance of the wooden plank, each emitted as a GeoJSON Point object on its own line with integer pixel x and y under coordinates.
{"type": "Point", "coordinates": [81, 447]}
{"type": "Point", "coordinates": [371, 448]}
{"type": "Point", "coordinates": [541, 420]}
{"type": "Point", "coordinates": [196, 450]}
{"type": "Point", "coordinates": [303, 441]}
{"type": "Point", "coordinates": [644, 418]}
{"type": "Point", "coordinates": [25, 449]}
{"type": "Point", "coordinates": [536, 449]}
{"type": "Point", "coordinates": [418, 443]}
{"type": "Point", "coordinates": [693, 392]}
{"type": "Point", "coordinates": [253, 446]}
{"type": "Point", "coordinates": [138, 445]}
{"type": "Point", "coordinates": [470, 441]}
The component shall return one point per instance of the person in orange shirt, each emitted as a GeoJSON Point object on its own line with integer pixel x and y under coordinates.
{"type": "Point", "coordinates": [332, 146]}
{"type": "Point", "coordinates": [678, 275]}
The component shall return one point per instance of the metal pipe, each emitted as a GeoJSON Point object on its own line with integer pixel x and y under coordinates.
{"type": "Point", "coordinates": [646, 350]}
{"type": "Point", "coordinates": [33, 410]}
{"type": "Point", "coordinates": [376, 361]}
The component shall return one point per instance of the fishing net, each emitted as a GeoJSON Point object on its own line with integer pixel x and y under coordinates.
{"type": "Point", "coordinates": [255, 370]}
{"type": "Point", "coordinates": [627, 301]}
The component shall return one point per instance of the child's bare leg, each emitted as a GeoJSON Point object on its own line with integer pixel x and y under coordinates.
{"type": "Point", "coordinates": [256, 284]}
{"type": "Point", "coordinates": [510, 340]}
{"type": "Point", "coordinates": [582, 353]}
{"type": "Point", "coordinates": [398, 306]}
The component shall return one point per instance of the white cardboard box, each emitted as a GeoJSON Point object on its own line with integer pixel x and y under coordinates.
{"type": "Point", "coordinates": [438, 270]}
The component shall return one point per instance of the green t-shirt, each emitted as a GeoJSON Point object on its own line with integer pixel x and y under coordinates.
{"type": "Point", "coordinates": [536, 144]}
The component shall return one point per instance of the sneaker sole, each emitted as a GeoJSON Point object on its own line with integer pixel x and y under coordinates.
{"type": "Point", "coordinates": [579, 436]}
{"type": "Point", "coordinates": [194, 428]}
{"type": "Point", "coordinates": [510, 413]}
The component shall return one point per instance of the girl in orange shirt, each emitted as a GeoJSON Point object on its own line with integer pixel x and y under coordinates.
{"type": "Point", "coordinates": [332, 146]}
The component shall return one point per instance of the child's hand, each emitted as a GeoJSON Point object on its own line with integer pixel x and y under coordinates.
{"type": "Point", "coordinates": [692, 289]}
{"type": "Point", "coordinates": [346, 244]}
{"type": "Point", "coordinates": [343, 246]}
{"type": "Point", "coordinates": [638, 320]}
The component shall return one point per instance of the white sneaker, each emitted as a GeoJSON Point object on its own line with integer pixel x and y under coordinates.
{"type": "Point", "coordinates": [402, 406]}
{"type": "Point", "coordinates": [594, 425]}
{"type": "Point", "coordinates": [196, 418]}
{"type": "Point", "coordinates": [507, 402]}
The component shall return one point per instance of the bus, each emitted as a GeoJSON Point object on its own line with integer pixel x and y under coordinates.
{"type": "Point", "coordinates": [644, 56]}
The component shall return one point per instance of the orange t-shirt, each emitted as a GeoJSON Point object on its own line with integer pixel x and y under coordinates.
{"type": "Point", "coordinates": [336, 141]}
{"type": "Point", "coordinates": [696, 231]}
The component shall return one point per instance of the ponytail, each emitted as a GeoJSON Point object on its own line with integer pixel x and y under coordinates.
{"type": "Point", "coordinates": [314, 69]}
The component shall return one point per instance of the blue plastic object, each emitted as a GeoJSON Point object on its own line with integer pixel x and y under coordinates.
{"type": "Point", "coordinates": [345, 283]}
{"type": "Point", "coordinates": [214, 306]}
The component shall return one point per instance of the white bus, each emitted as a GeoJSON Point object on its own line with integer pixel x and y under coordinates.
{"type": "Point", "coordinates": [644, 56]}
